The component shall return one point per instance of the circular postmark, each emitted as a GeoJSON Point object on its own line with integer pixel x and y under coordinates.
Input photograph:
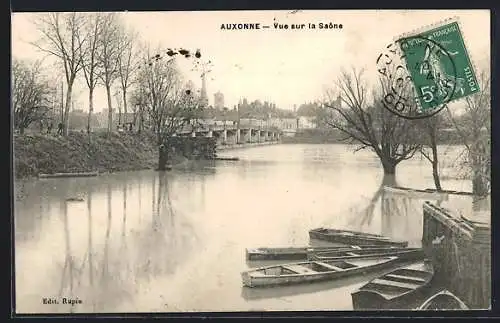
{"type": "Point", "coordinates": [418, 77]}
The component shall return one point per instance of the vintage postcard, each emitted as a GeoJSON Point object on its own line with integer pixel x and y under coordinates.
{"type": "Point", "coordinates": [236, 161]}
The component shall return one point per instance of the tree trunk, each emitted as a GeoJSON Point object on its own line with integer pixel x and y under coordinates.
{"type": "Point", "coordinates": [125, 119]}
{"type": "Point", "coordinates": [67, 108]}
{"type": "Point", "coordinates": [162, 158]}
{"type": "Point", "coordinates": [141, 119]}
{"type": "Point", "coordinates": [110, 110]}
{"type": "Point", "coordinates": [435, 162]}
{"type": "Point", "coordinates": [91, 109]}
{"type": "Point", "coordinates": [21, 130]}
{"type": "Point", "coordinates": [435, 169]}
{"type": "Point", "coordinates": [389, 165]}
{"type": "Point", "coordinates": [120, 120]}
{"type": "Point", "coordinates": [389, 180]}
{"type": "Point", "coordinates": [479, 184]}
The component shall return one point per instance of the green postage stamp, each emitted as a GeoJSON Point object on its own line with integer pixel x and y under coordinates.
{"type": "Point", "coordinates": [439, 66]}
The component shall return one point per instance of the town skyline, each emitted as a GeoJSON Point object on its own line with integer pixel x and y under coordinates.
{"type": "Point", "coordinates": [284, 67]}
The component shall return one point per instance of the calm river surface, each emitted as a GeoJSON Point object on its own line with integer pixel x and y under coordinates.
{"type": "Point", "coordinates": [148, 241]}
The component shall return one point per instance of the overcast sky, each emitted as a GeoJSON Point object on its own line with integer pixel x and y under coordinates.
{"type": "Point", "coordinates": [283, 66]}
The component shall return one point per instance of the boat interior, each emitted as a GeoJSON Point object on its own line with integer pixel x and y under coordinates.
{"type": "Point", "coordinates": [307, 268]}
{"type": "Point", "coordinates": [356, 253]}
{"type": "Point", "coordinates": [348, 232]}
{"type": "Point", "coordinates": [398, 282]}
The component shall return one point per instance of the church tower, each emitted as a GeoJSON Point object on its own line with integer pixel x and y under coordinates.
{"type": "Point", "coordinates": [204, 96]}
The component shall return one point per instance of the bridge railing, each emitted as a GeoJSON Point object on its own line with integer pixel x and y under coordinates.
{"type": "Point", "coordinates": [205, 125]}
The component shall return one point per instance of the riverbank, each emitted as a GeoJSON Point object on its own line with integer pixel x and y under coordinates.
{"type": "Point", "coordinates": [78, 152]}
{"type": "Point", "coordinates": [333, 136]}
{"type": "Point", "coordinates": [47, 154]}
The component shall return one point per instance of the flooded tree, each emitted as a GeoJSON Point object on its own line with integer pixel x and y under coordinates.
{"type": "Point", "coordinates": [169, 106]}
{"type": "Point", "coordinates": [31, 94]}
{"type": "Point", "coordinates": [369, 124]}
{"type": "Point", "coordinates": [474, 129]}
{"type": "Point", "coordinates": [59, 38]}
{"type": "Point", "coordinates": [429, 138]}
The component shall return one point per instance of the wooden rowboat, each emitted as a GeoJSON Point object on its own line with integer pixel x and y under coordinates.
{"type": "Point", "coordinates": [395, 289]}
{"type": "Point", "coordinates": [299, 253]}
{"type": "Point", "coordinates": [227, 158]}
{"type": "Point", "coordinates": [312, 271]}
{"type": "Point", "coordinates": [402, 253]}
{"type": "Point", "coordinates": [58, 175]}
{"type": "Point", "coordinates": [354, 238]}
{"type": "Point", "coordinates": [444, 300]}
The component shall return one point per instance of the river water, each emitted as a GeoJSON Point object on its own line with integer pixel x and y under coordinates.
{"type": "Point", "coordinates": [147, 241]}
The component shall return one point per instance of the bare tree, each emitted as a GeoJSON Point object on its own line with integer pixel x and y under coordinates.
{"type": "Point", "coordinates": [168, 105]}
{"type": "Point", "coordinates": [59, 33]}
{"type": "Point", "coordinates": [430, 127]}
{"type": "Point", "coordinates": [31, 94]}
{"type": "Point", "coordinates": [370, 125]}
{"type": "Point", "coordinates": [110, 46]}
{"type": "Point", "coordinates": [90, 49]}
{"type": "Point", "coordinates": [137, 106]}
{"type": "Point", "coordinates": [474, 130]}
{"type": "Point", "coordinates": [127, 66]}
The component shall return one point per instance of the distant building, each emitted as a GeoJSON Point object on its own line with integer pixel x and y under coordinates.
{"type": "Point", "coordinates": [203, 94]}
{"type": "Point", "coordinates": [306, 122]}
{"type": "Point", "coordinates": [219, 100]}
{"type": "Point", "coordinates": [283, 123]}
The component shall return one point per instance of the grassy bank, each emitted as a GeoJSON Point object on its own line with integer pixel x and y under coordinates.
{"type": "Point", "coordinates": [34, 154]}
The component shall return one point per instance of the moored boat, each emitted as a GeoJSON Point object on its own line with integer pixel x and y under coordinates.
{"type": "Point", "coordinates": [353, 237]}
{"type": "Point", "coordinates": [299, 253]}
{"type": "Point", "coordinates": [227, 158]}
{"type": "Point", "coordinates": [311, 271]}
{"type": "Point", "coordinates": [441, 301]}
{"type": "Point", "coordinates": [403, 254]}
{"type": "Point", "coordinates": [79, 174]}
{"type": "Point", "coordinates": [395, 289]}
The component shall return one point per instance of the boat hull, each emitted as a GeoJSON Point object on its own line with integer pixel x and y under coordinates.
{"type": "Point", "coordinates": [253, 279]}
{"type": "Point", "coordinates": [59, 175]}
{"type": "Point", "coordinates": [397, 289]}
{"type": "Point", "coordinates": [337, 237]}
{"type": "Point", "coordinates": [443, 300]}
{"type": "Point", "coordinates": [403, 255]}
{"type": "Point", "coordinates": [297, 253]}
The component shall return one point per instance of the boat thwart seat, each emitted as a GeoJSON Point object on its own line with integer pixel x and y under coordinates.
{"type": "Point", "coordinates": [322, 264]}
{"type": "Point", "coordinates": [403, 278]}
{"type": "Point", "coordinates": [298, 269]}
{"type": "Point", "coordinates": [381, 281]}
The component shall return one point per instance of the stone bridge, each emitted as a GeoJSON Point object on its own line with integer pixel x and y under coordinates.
{"type": "Point", "coordinates": [233, 132]}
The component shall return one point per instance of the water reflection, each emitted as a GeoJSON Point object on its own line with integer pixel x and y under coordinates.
{"type": "Point", "coordinates": [141, 240]}
{"type": "Point", "coordinates": [107, 250]}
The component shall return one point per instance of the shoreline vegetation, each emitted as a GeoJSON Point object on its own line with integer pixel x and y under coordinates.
{"type": "Point", "coordinates": [47, 154]}
{"type": "Point", "coordinates": [36, 154]}
{"type": "Point", "coordinates": [333, 136]}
